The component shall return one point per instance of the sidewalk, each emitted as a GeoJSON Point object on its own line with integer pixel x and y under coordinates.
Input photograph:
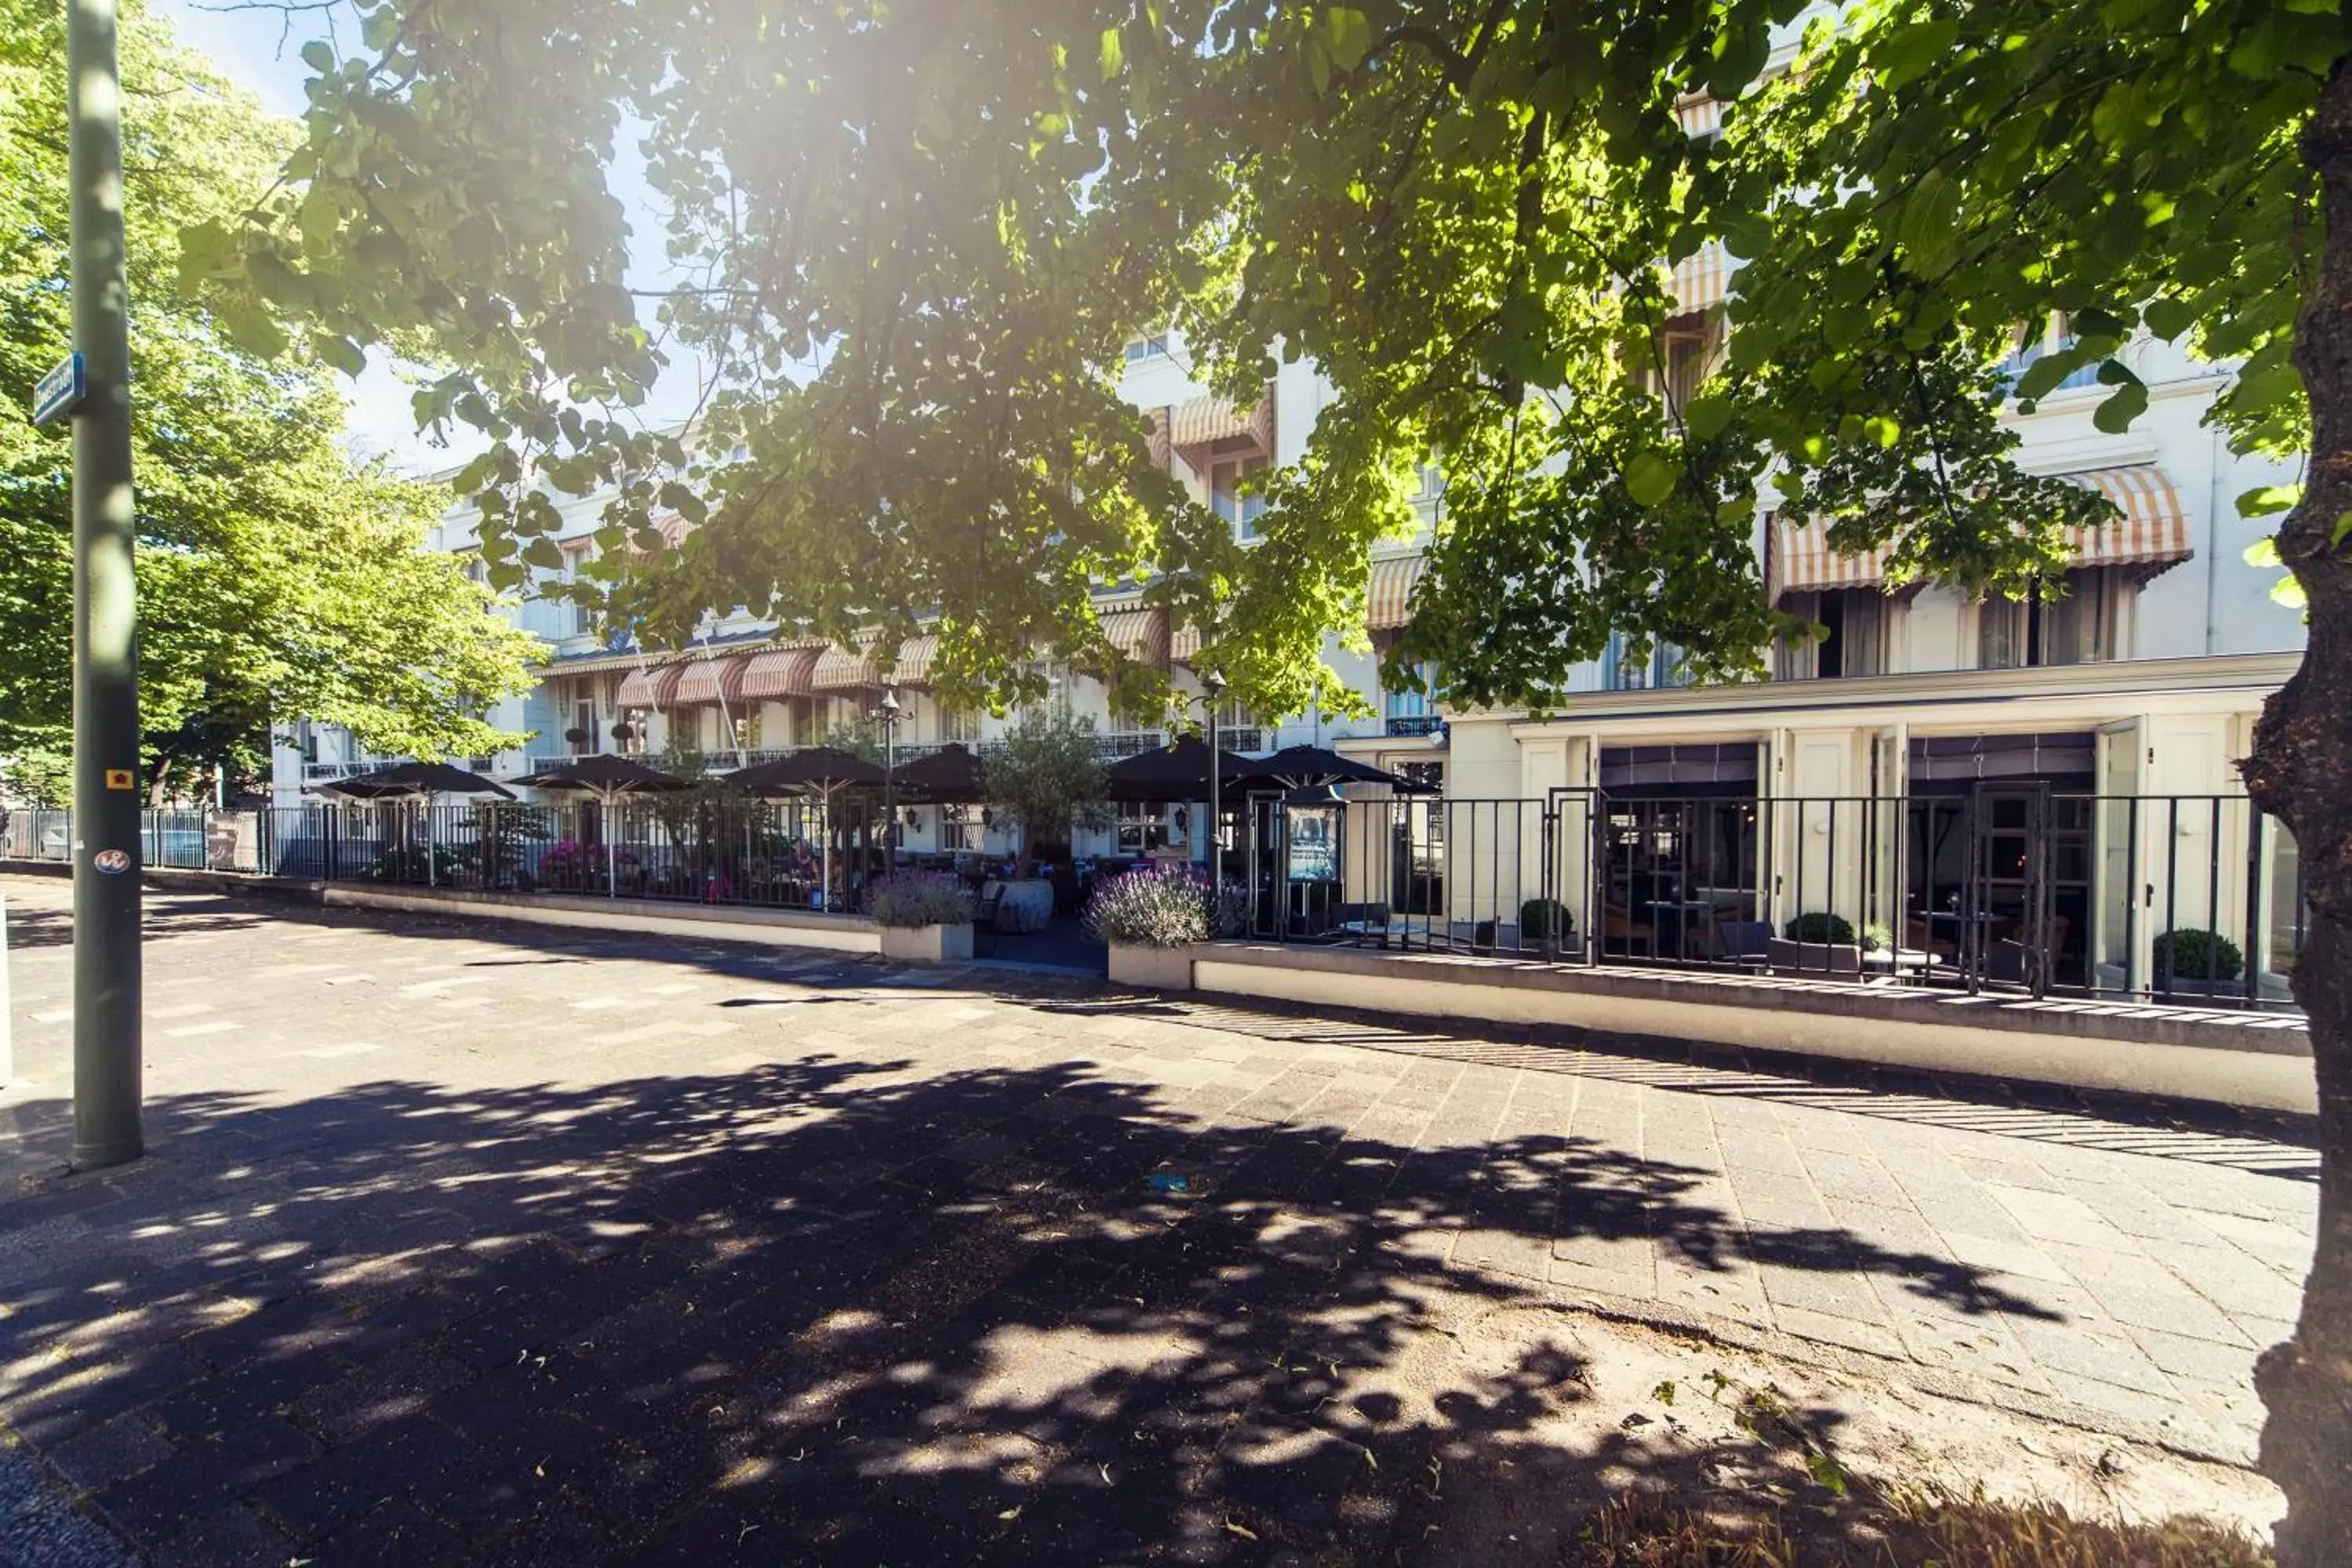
{"type": "Point", "coordinates": [427, 1201]}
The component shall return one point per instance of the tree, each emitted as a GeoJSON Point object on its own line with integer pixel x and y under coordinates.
{"type": "Point", "coordinates": [1045, 776]}
{"type": "Point", "coordinates": [911, 239]}
{"type": "Point", "coordinates": [277, 576]}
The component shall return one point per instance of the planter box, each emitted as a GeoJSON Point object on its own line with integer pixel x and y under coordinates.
{"type": "Point", "coordinates": [1153, 968]}
{"type": "Point", "coordinates": [928, 944]}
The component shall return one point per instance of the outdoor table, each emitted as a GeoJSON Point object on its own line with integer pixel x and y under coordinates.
{"type": "Point", "coordinates": [1899, 963]}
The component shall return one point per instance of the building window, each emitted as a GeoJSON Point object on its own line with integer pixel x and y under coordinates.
{"type": "Point", "coordinates": [1856, 620]}
{"type": "Point", "coordinates": [1403, 704]}
{"type": "Point", "coordinates": [1141, 351]}
{"type": "Point", "coordinates": [1682, 359]}
{"type": "Point", "coordinates": [1623, 669]}
{"type": "Point", "coordinates": [961, 829]}
{"type": "Point", "coordinates": [2056, 335]}
{"type": "Point", "coordinates": [584, 723]}
{"type": "Point", "coordinates": [1230, 498]}
{"type": "Point", "coordinates": [1142, 828]}
{"type": "Point", "coordinates": [960, 728]}
{"type": "Point", "coordinates": [2083, 625]}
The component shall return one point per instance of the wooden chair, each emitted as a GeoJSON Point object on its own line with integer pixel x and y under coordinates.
{"type": "Point", "coordinates": [1621, 931]}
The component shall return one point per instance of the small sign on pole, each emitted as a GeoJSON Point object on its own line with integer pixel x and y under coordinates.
{"type": "Point", "coordinates": [59, 392]}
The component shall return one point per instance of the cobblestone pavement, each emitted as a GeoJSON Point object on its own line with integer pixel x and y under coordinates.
{"type": "Point", "coordinates": [464, 1242]}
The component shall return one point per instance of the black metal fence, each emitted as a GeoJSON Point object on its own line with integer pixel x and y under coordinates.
{"type": "Point", "coordinates": [692, 848]}
{"type": "Point", "coordinates": [2018, 887]}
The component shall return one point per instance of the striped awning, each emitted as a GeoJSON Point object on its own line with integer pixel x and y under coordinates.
{"type": "Point", "coordinates": [1388, 602]}
{"type": "Point", "coordinates": [1701, 279]}
{"type": "Point", "coordinates": [1700, 114]}
{"type": "Point", "coordinates": [654, 687]}
{"type": "Point", "coordinates": [709, 682]}
{"type": "Point", "coordinates": [847, 670]}
{"type": "Point", "coordinates": [1140, 632]}
{"type": "Point", "coordinates": [780, 673]}
{"type": "Point", "coordinates": [2152, 532]}
{"type": "Point", "coordinates": [2153, 529]}
{"type": "Point", "coordinates": [915, 657]}
{"type": "Point", "coordinates": [1183, 643]}
{"type": "Point", "coordinates": [1193, 428]}
{"type": "Point", "coordinates": [1799, 561]}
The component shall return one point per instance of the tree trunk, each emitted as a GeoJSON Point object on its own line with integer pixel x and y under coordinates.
{"type": "Point", "coordinates": [2301, 770]}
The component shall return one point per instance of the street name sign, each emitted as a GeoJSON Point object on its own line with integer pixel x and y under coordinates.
{"type": "Point", "coordinates": [59, 392]}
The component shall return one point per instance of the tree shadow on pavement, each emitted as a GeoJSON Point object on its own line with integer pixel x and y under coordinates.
{"type": "Point", "coordinates": [833, 1312]}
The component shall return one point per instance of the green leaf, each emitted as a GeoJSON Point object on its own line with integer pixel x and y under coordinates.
{"type": "Point", "coordinates": [1909, 51]}
{"type": "Point", "coordinates": [544, 554]}
{"type": "Point", "coordinates": [2264, 500]}
{"type": "Point", "coordinates": [2262, 553]}
{"type": "Point", "coordinates": [1929, 218]}
{"type": "Point", "coordinates": [2115, 416]}
{"type": "Point", "coordinates": [1350, 34]}
{"type": "Point", "coordinates": [2341, 531]}
{"type": "Point", "coordinates": [1649, 478]}
{"type": "Point", "coordinates": [2168, 318]}
{"type": "Point", "coordinates": [2288, 590]}
{"type": "Point", "coordinates": [1114, 53]}
{"type": "Point", "coordinates": [319, 55]}
{"type": "Point", "coordinates": [1706, 414]}
{"type": "Point", "coordinates": [339, 352]}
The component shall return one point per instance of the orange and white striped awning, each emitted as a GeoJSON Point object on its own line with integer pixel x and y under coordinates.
{"type": "Point", "coordinates": [1184, 644]}
{"type": "Point", "coordinates": [847, 670]}
{"type": "Point", "coordinates": [1139, 632]}
{"type": "Point", "coordinates": [2153, 529]}
{"type": "Point", "coordinates": [1702, 278]}
{"type": "Point", "coordinates": [780, 672]}
{"type": "Point", "coordinates": [1799, 561]}
{"type": "Point", "coordinates": [1388, 601]}
{"type": "Point", "coordinates": [654, 685]}
{"type": "Point", "coordinates": [1700, 114]}
{"type": "Point", "coordinates": [709, 682]}
{"type": "Point", "coordinates": [2152, 532]}
{"type": "Point", "coordinates": [914, 665]}
{"type": "Point", "coordinates": [1193, 428]}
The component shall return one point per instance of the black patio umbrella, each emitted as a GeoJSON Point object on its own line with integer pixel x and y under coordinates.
{"type": "Point", "coordinates": [948, 776]}
{"type": "Point", "coordinates": [1173, 774]}
{"type": "Point", "coordinates": [820, 771]}
{"type": "Point", "coordinates": [1314, 767]}
{"type": "Point", "coordinates": [608, 778]}
{"type": "Point", "coordinates": [409, 779]}
{"type": "Point", "coordinates": [418, 782]}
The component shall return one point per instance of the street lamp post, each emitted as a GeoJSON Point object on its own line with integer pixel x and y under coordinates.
{"type": "Point", "coordinates": [1213, 688]}
{"type": "Point", "coordinates": [888, 715]}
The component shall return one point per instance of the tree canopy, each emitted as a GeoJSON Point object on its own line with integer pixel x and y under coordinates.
{"type": "Point", "coordinates": [277, 576]}
{"type": "Point", "coordinates": [909, 239]}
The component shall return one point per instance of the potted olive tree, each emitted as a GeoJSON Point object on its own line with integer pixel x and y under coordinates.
{"type": "Point", "coordinates": [925, 916]}
{"type": "Point", "coordinates": [1045, 777]}
{"type": "Point", "coordinates": [1153, 917]}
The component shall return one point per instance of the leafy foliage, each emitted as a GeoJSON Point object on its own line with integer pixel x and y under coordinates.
{"type": "Point", "coordinates": [918, 898]}
{"type": "Point", "coordinates": [276, 576]}
{"type": "Point", "coordinates": [1163, 906]}
{"type": "Point", "coordinates": [1045, 776]}
{"type": "Point", "coordinates": [1820, 926]}
{"type": "Point", "coordinates": [2189, 954]}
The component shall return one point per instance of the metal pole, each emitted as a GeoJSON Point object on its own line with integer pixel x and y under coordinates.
{"type": "Point", "coordinates": [106, 617]}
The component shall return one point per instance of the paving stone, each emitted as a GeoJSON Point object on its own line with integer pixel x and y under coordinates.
{"type": "Point", "coordinates": [848, 1264]}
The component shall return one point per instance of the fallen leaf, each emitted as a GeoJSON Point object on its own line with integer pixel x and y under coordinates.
{"type": "Point", "coordinates": [1243, 1531]}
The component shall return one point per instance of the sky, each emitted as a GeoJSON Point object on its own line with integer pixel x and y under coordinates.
{"type": "Point", "coordinates": [260, 49]}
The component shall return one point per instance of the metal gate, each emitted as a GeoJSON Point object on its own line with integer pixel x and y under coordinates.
{"type": "Point", "coordinates": [2007, 885]}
